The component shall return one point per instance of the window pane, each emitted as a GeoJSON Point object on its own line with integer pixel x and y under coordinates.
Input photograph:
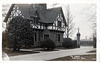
{"type": "Point", "coordinates": [58, 37]}
{"type": "Point", "coordinates": [59, 23]}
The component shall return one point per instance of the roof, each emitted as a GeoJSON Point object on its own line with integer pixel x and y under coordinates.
{"type": "Point", "coordinates": [49, 15]}
{"type": "Point", "coordinates": [46, 16]}
{"type": "Point", "coordinates": [27, 10]}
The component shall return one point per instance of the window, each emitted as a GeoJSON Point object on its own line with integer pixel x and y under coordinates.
{"type": "Point", "coordinates": [59, 23]}
{"type": "Point", "coordinates": [58, 37]}
{"type": "Point", "coordinates": [15, 12]}
{"type": "Point", "coordinates": [40, 35]}
{"type": "Point", "coordinates": [46, 36]}
{"type": "Point", "coordinates": [35, 36]}
{"type": "Point", "coordinates": [35, 20]}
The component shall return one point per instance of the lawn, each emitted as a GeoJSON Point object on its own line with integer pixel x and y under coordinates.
{"type": "Point", "coordinates": [24, 51]}
{"type": "Point", "coordinates": [90, 57]}
{"type": "Point", "coordinates": [15, 53]}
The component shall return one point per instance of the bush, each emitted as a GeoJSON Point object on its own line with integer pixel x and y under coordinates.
{"type": "Point", "coordinates": [74, 43]}
{"type": "Point", "coordinates": [67, 43]}
{"type": "Point", "coordinates": [5, 39]}
{"type": "Point", "coordinates": [94, 42]}
{"type": "Point", "coordinates": [48, 44]}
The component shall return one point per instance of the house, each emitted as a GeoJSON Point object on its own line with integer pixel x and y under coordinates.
{"type": "Point", "coordinates": [46, 23]}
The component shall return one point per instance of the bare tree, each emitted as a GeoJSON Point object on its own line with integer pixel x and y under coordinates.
{"type": "Point", "coordinates": [70, 23]}
{"type": "Point", "coordinates": [92, 17]}
{"type": "Point", "coordinates": [93, 20]}
{"type": "Point", "coordinates": [5, 9]}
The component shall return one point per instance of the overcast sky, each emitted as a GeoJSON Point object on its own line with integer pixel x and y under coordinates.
{"type": "Point", "coordinates": [81, 13]}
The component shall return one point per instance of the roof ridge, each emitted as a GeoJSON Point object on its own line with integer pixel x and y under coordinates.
{"type": "Point", "coordinates": [55, 8]}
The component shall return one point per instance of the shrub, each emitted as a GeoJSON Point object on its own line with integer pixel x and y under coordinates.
{"type": "Point", "coordinates": [5, 39]}
{"type": "Point", "coordinates": [67, 43]}
{"type": "Point", "coordinates": [94, 42]}
{"type": "Point", "coordinates": [74, 43]}
{"type": "Point", "coordinates": [48, 44]}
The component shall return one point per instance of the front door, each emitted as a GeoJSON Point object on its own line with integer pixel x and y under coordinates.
{"type": "Point", "coordinates": [46, 36]}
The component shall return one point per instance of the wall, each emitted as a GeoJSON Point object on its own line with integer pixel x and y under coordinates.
{"type": "Point", "coordinates": [86, 43]}
{"type": "Point", "coordinates": [52, 35]}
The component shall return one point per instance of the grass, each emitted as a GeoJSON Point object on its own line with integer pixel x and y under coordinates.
{"type": "Point", "coordinates": [15, 53]}
{"type": "Point", "coordinates": [90, 57]}
{"type": "Point", "coordinates": [93, 51]}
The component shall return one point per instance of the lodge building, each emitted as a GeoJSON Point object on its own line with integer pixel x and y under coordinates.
{"type": "Point", "coordinates": [46, 23]}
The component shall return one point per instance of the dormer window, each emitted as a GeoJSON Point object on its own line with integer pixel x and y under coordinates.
{"type": "Point", "coordinates": [35, 19]}
{"type": "Point", "coordinates": [59, 20]}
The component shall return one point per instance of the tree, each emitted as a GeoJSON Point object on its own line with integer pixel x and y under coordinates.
{"type": "Point", "coordinates": [70, 23]}
{"type": "Point", "coordinates": [93, 19]}
{"type": "Point", "coordinates": [91, 16]}
{"type": "Point", "coordinates": [20, 33]}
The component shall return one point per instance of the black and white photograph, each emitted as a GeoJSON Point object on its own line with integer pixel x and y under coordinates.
{"type": "Point", "coordinates": [49, 32]}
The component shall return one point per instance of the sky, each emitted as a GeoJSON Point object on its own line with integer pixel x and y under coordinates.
{"type": "Point", "coordinates": [81, 14]}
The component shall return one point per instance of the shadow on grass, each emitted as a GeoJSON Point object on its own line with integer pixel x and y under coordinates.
{"type": "Point", "coordinates": [15, 53]}
{"type": "Point", "coordinates": [93, 51]}
{"type": "Point", "coordinates": [63, 48]}
{"type": "Point", "coordinates": [45, 50]}
{"type": "Point", "coordinates": [90, 57]}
